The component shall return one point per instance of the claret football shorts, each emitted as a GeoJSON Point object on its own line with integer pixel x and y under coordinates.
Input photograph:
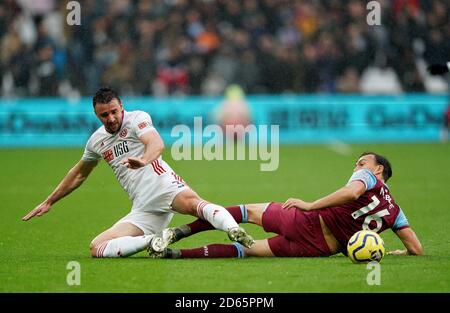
{"type": "Point", "coordinates": [299, 232]}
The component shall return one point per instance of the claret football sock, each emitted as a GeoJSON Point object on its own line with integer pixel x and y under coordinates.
{"type": "Point", "coordinates": [216, 215]}
{"type": "Point", "coordinates": [214, 251]}
{"type": "Point", "coordinates": [123, 246]}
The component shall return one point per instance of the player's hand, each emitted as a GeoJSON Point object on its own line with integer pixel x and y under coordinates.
{"type": "Point", "coordinates": [40, 210]}
{"type": "Point", "coordinates": [134, 163]}
{"type": "Point", "coordinates": [296, 203]}
{"type": "Point", "coordinates": [397, 252]}
{"type": "Point", "coordinates": [438, 69]}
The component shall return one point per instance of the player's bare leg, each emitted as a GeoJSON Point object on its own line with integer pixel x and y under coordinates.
{"type": "Point", "coordinates": [188, 202]}
{"type": "Point", "coordinates": [259, 249]}
{"type": "Point", "coordinates": [122, 240]}
{"type": "Point", "coordinates": [255, 212]}
{"type": "Point", "coordinates": [248, 213]}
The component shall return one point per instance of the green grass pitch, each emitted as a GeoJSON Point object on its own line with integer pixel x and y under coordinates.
{"type": "Point", "coordinates": [34, 254]}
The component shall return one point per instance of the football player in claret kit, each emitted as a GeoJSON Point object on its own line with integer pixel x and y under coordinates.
{"type": "Point", "coordinates": [313, 229]}
{"type": "Point", "coordinates": [132, 147]}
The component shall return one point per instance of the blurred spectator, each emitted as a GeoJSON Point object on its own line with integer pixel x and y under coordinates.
{"type": "Point", "coordinates": [234, 111]}
{"type": "Point", "coordinates": [308, 68]}
{"type": "Point", "coordinates": [349, 81]}
{"type": "Point", "coordinates": [207, 40]}
{"type": "Point", "coordinates": [166, 47]}
{"type": "Point", "coordinates": [16, 61]}
{"type": "Point", "coordinates": [172, 74]}
{"type": "Point", "coordinates": [380, 78]}
{"type": "Point", "coordinates": [225, 63]}
{"type": "Point", "coordinates": [213, 84]}
{"type": "Point", "coordinates": [247, 74]}
{"type": "Point", "coordinates": [46, 71]}
{"type": "Point", "coordinates": [120, 73]}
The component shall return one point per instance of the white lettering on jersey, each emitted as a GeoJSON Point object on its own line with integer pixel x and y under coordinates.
{"type": "Point", "coordinates": [373, 217]}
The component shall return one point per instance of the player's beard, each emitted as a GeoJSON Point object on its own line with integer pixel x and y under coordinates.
{"type": "Point", "coordinates": [113, 128]}
{"type": "Point", "coordinates": [117, 124]}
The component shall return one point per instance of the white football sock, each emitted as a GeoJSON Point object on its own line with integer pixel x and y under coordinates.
{"type": "Point", "coordinates": [216, 215]}
{"type": "Point", "coordinates": [123, 246]}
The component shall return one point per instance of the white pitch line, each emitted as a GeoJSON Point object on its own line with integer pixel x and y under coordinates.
{"type": "Point", "coordinates": [339, 147]}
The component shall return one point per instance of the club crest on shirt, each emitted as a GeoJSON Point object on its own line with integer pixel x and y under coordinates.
{"type": "Point", "coordinates": [123, 133]}
{"type": "Point", "coordinates": [142, 125]}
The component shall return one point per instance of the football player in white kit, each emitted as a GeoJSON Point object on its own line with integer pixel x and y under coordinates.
{"type": "Point", "coordinates": [132, 147]}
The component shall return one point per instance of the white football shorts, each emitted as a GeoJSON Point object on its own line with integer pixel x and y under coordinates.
{"type": "Point", "coordinates": [148, 222]}
{"type": "Point", "coordinates": [152, 210]}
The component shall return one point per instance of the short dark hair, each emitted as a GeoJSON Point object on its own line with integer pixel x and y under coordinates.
{"type": "Point", "coordinates": [381, 160]}
{"type": "Point", "coordinates": [105, 95]}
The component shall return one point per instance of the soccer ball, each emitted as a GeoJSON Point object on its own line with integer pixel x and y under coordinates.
{"type": "Point", "coordinates": [365, 246]}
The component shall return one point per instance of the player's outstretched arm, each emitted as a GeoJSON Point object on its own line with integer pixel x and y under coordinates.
{"type": "Point", "coordinates": [74, 178]}
{"type": "Point", "coordinates": [154, 147]}
{"type": "Point", "coordinates": [411, 242]}
{"type": "Point", "coordinates": [345, 194]}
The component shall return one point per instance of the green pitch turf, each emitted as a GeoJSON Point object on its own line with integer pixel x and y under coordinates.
{"type": "Point", "coordinates": [34, 255]}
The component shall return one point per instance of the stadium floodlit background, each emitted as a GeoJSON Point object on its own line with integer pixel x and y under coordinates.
{"type": "Point", "coordinates": [335, 84]}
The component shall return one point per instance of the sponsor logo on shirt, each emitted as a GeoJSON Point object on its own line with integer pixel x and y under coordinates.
{"type": "Point", "coordinates": [121, 148]}
{"type": "Point", "coordinates": [143, 125]}
{"type": "Point", "coordinates": [118, 150]}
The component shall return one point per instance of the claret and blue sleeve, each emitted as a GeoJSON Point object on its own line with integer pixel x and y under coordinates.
{"type": "Point", "coordinates": [365, 176]}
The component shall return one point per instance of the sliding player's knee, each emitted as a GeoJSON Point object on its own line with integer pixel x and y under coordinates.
{"type": "Point", "coordinates": [186, 203]}
{"type": "Point", "coordinates": [186, 206]}
{"type": "Point", "coordinates": [94, 246]}
{"type": "Point", "coordinates": [93, 250]}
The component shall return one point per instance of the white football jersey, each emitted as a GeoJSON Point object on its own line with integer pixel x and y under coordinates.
{"type": "Point", "coordinates": [155, 183]}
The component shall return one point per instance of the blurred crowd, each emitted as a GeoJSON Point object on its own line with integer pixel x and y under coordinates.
{"type": "Point", "coordinates": [180, 47]}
